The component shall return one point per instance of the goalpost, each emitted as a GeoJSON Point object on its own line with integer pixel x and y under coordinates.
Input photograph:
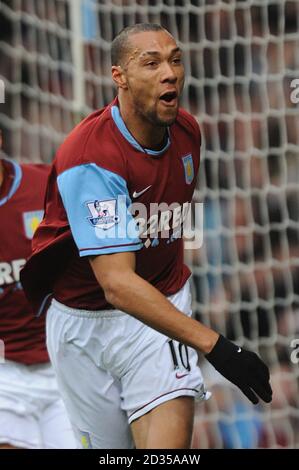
{"type": "Point", "coordinates": [240, 59]}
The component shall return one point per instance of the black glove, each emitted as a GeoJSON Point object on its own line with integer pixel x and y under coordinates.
{"type": "Point", "coordinates": [243, 368]}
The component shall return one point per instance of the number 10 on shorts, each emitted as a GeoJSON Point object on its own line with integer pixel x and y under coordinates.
{"type": "Point", "coordinates": [180, 358]}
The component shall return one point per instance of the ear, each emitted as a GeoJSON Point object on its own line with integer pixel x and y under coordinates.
{"type": "Point", "coordinates": [119, 76]}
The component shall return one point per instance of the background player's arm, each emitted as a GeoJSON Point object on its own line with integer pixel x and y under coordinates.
{"type": "Point", "coordinates": [127, 291]}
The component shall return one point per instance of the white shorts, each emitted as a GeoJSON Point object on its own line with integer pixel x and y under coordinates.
{"type": "Point", "coordinates": [32, 414]}
{"type": "Point", "coordinates": [112, 369]}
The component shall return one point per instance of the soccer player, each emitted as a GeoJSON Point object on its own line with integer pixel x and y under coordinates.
{"type": "Point", "coordinates": [119, 331]}
{"type": "Point", "coordinates": [32, 414]}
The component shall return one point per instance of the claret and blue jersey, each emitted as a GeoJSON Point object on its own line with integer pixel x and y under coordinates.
{"type": "Point", "coordinates": [107, 194]}
{"type": "Point", "coordinates": [21, 210]}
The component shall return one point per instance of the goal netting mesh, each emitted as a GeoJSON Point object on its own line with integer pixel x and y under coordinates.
{"type": "Point", "coordinates": [240, 59]}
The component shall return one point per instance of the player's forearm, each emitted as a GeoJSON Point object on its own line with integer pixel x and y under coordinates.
{"type": "Point", "coordinates": [132, 294]}
{"type": "Point", "coordinates": [129, 292]}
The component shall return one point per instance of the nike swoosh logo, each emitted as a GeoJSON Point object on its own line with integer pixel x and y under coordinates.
{"type": "Point", "coordinates": [135, 194]}
{"type": "Point", "coordinates": [179, 376]}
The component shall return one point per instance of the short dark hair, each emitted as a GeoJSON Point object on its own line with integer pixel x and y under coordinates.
{"type": "Point", "coordinates": [120, 44]}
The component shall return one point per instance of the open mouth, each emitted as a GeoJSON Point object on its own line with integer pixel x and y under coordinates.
{"type": "Point", "coordinates": [169, 97]}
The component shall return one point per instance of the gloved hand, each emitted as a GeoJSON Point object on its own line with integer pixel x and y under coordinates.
{"type": "Point", "coordinates": [243, 368]}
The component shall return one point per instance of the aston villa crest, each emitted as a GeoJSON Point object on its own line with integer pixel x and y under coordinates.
{"type": "Point", "coordinates": [31, 221]}
{"type": "Point", "coordinates": [188, 168]}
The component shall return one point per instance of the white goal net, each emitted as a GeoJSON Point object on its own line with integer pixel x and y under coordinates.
{"type": "Point", "coordinates": [240, 58]}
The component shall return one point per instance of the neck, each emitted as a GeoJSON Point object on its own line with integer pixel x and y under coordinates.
{"type": "Point", "coordinates": [147, 134]}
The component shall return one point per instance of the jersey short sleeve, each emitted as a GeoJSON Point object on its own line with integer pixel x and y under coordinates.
{"type": "Point", "coordinates": [97, 204]}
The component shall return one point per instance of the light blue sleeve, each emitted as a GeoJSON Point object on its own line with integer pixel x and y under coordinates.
{"type": "Point", "coordinates": [96, 202]}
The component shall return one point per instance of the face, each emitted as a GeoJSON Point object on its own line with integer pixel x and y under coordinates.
{"type": "Point", "coordinates": [154, 76]}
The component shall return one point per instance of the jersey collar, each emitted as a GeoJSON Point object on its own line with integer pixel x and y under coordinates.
{"type": "Point", "coordinates": [17, 176]}
{"type": "Point", "coordinates": [115, 113]}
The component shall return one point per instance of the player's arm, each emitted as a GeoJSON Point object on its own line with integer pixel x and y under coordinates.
{"type": "Point", "coordinates": [127, 291]}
